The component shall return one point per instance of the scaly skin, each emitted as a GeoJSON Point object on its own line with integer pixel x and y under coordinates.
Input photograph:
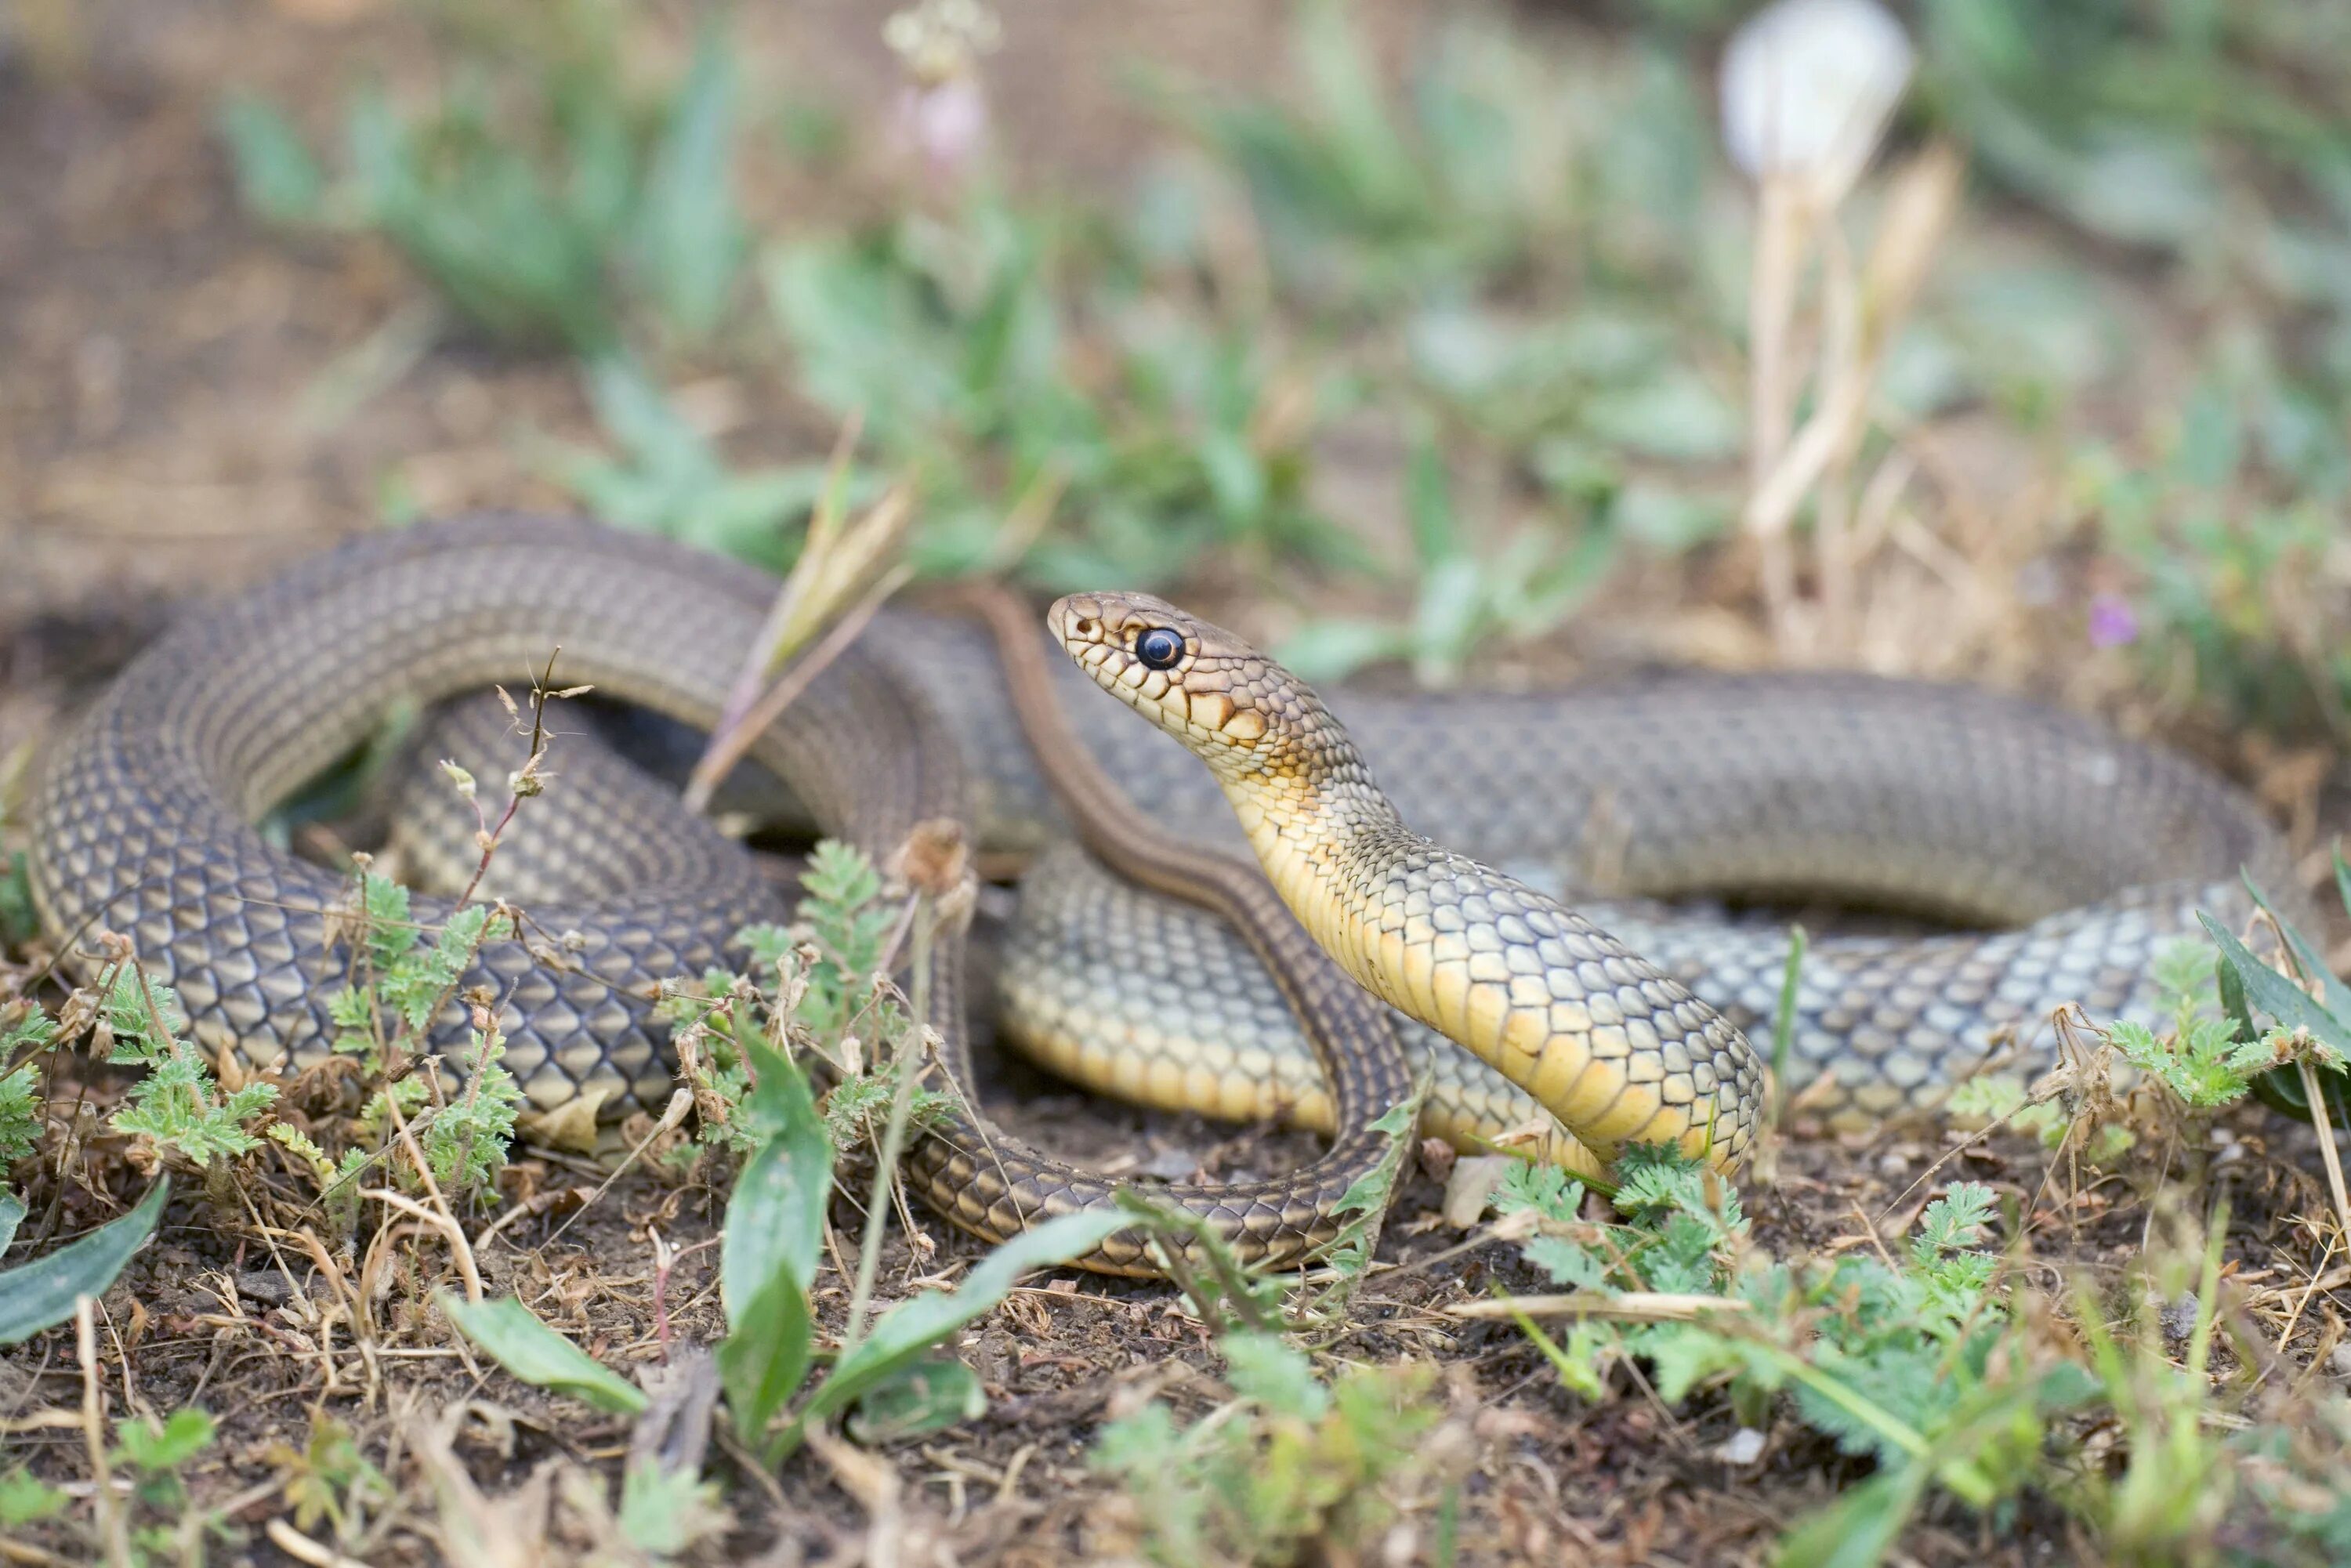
{"type": "Point", "coordinates": [1618, 1052]}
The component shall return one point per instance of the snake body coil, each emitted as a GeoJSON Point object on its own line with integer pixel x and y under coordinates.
{"type": "Point", "coordinates": [2088, 851]}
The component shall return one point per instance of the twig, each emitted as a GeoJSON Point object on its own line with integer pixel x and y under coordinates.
{"type": "Point", "coordinates": [111, 1528]}
{"type": "Point", "coordinates": [302, 1549]}
{"type": "Point", "coordinates": [894, 1131]}
{"type": "Point", "coordinates": [2327, 1154]}
{"type": "Point", "coordinates": [527, 780]}
{"type": "Point", "coordinates": [446, 1220]}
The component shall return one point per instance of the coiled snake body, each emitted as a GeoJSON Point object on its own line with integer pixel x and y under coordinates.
{"type": "Point", "coordinates": [2085, 852]}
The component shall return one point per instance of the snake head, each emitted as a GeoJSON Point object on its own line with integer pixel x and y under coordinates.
{"type": "Point", "coordinates": [1222, 698]}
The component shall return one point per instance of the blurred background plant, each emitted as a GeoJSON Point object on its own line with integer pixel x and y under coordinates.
{"type": "Point", "coordinates": [1424, 352]}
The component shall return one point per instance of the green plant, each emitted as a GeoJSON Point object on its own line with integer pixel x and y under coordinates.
{"type": "Point", "coordinates": [1291, 1465]}
{"type": "Point", "coordinates": [2147, 125]}
{"type": "Point", "coordinates": [2203, 1058]}
{"type": "Point", "coordinates": [178, 1105]}
{"type": "Point", "coordinates": [26, 1498]}
{"type": "Point", "coordinates": [26, 1034]}
{"type": "Point", "coordinates": [2222, 534]}
{"type": "Point", "coordinates": [328, 1480]}
{"type": "Point", "coordinates": [821, 982]}
{"type": "Point", "coordinates": [538, 193]}
{"type": "Point", "coordinates": [1013, 365]}
{"type": "Point", "coordinates": [773, 1240]}
{"type": "Point", "coordinates": [670, 479]}
{"type": "Point", "coordinates": [154, 1452]}
{"type": "Point", "coordinates": [830, 979]}
{"type": "Point", "coordinates": [1920, 1362]}
{"type": "Point", "coordinates": [1465, 597]}
{"type": "Point", "coordinates": [400, 987]}
{"type": "Point", "coordinates": [1364, 195]}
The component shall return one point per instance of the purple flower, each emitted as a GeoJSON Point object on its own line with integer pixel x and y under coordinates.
{"type": "Point", "coordinates": [2112, 621]}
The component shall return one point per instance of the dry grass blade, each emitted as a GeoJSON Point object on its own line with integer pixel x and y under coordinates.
{"type": "Point", "coordinates": [843, 562]}
{"type": "Point", "coordinates": [1863, 318]}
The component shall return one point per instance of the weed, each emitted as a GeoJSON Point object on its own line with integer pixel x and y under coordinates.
{"type": "Point", "coordinates": [670, 479]}
{"type": "Point", "coordinates": [154, 1452]}
{"type": "Point", "coordinates": [26, 1034]}
{"type": "Point", "coordinates": [1916, 1363]}
{"type": "Point", "coordinates": [543, 201]}
{"type": "Point", "coordinates": [25, 1499]}
{"type": "Point", "coordinates": [774, 1236]}
{"type": "Point", "coordinates": [1291, 1468]}
{"type": "Point", "coordinates": [400, 980]}
{"type": "Point", "coordinates": [328, 1480]}
{"type": "Point", "coordinates": [1010, 364]}
{"type": "Point", "coordinates": [2223, 538]}
{"type": "Point", "coordinates": [178, 1105]}
{"type": "Point", "coordinates": [1466, 597]}
{"type": "Point", "coordinates": [400, 985]}
{"type": "Point", "coordinates": [821, 983]}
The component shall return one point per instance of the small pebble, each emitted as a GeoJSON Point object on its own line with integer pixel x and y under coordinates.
{"type": "Point", "coordinates": [1743, 1448]}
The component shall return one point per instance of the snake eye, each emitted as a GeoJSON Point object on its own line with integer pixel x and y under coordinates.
{"type": "Point", "coordinates": [1160, 647]}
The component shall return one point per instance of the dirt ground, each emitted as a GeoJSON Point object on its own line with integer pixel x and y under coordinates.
{"type": "Point", "coordinates": [160, 361]}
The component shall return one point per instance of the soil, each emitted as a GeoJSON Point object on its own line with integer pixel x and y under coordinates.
{"type": "Point", "coordinates": [160, 361]}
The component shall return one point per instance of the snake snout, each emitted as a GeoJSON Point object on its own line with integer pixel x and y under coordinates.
{"type": "Point", "coordinates": [1199, 682]}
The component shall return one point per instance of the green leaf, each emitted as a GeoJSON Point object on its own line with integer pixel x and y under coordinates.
{"type": "Point", "coordinates": [153, 1446]}
{"type": "Point", "coordinates": [20, 1113]}
{"type": "Point", "coordinates": [513, 1336]}
{"type": "Point", "coordinates": [1331, 650]}
{"type": "Point", "coordinates": [1448, 618]}
{"type": "Point", "coordinates": [663, 1512]}
{"type": "Point", "coordinates": [1428, 504]}
{"type": "Point", "coordinates": [2276, 994]}
{"type": "Point", "coordinates": [691, 234]}
{"type": "Point", "coordinates": [1266, 1369]}
{"type": "Point", "coordinates": [930, 1396]}
{"type": "Point", "coordinates": [18, 920]}
{"type": "Point", "coordinates": [912, 1329]}
{"type": "Point", "coordinates": [26, 1498]}
{"type": "Point", "coordinates": [765, 1357]}
{"type": "Point", "coordinates": [1860, 1527]}
{"type": "Point", "coordinates": [34, 1295]}
{"type": "Point", "coordinates": [774, 1221]}
{"type": "Point", "coordinates": [277, 177]}
{"type": "Point", "coordinates": [2313, 963]}
{"type": "Point", "coordinates": [12, 1215]}
{"type": "Point", "coordinates": [1676, 414]}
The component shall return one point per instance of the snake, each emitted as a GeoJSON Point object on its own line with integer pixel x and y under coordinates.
{"type": "Point", "coordinates": [1596, 1007]}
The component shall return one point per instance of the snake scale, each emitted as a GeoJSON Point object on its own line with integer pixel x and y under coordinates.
{"type": "Point", "coordinates": [2075, 853]}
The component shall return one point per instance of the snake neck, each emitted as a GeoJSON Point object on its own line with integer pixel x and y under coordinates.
{"type": "Point", "coordinates": [1309, 794]}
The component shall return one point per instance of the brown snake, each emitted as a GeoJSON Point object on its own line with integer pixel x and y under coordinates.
{"type": "Point", "coordinates": [1957, 801]}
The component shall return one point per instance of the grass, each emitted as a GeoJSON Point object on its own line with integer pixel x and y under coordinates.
{"type": "Point", "coordinates": [1427, 370]}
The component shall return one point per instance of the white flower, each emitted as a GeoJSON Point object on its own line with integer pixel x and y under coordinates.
{"type": "Point", "coordinates": [1807, 87]}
